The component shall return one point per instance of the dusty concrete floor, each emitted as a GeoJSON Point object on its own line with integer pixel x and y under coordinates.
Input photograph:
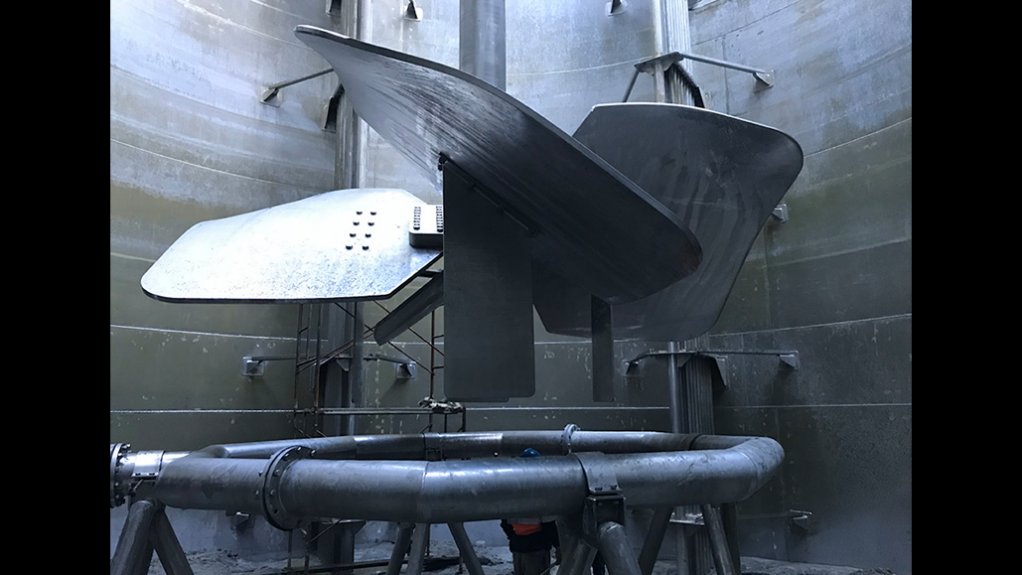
{"type": "Point", "coordinates": [495, 560]}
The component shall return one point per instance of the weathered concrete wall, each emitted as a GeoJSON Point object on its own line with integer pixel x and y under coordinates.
{"type": "Point", "coordinates": [190, 141]}
{"type": "Point", "coordinates": [834, 282]}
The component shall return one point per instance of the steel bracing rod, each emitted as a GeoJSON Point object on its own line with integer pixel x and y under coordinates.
{"type": "Point", "coordinates": [720, 469]}
{"type": "Point", "coordinates": [417, 553]}
{"type": "Point", "coordinates": [723, 63]}
{"type": "Point", "coordinates": [287, 83]}
{"type": "Point", "coordinates": [468, 553]}
{"type": "Point", "coordinates": [616, 550]}
{"type": "Point", "coordinates": [133, 546]}
{"type": "Point", "coordinates": [168, 548]}
{"type": "Point", "coordinates": [654, 539]}
{"type": "Point", "coordinates": [397, 555]}
{"type": "Point", "coordinates": [718, 541]}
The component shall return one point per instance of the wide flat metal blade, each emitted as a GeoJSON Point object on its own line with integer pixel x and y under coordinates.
{"type": "Point", "coordinates": [721, 175]}
{"type": "Point", "coordinates": [337, 246]}
{"type": "Point", "coordinates": [585, 219]}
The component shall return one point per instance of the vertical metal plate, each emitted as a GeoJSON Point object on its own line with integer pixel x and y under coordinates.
{"type": "Point", "coordinates": [488, 339]}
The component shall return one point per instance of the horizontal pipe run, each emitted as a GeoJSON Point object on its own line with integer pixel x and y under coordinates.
{"type": "Point", "coordinates": [460, 445]}
{"type": "Point", "coordinates": [435, 491]}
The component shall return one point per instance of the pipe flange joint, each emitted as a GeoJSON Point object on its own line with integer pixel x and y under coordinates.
{"type": "Point", "coordinates": [273, 507]}
{"type": "Point", "coordinates": [569, 430]}
{"type": "Point", "coordinates": [119, 486]}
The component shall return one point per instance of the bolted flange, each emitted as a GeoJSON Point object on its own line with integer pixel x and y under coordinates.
{"type": "Point", "coordinates": [273, 507]}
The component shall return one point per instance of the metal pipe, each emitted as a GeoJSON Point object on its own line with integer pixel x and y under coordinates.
{"type": "Point", "coordinates": [133, 544]}
{"type": "Point", "coordinates": [417, 554]}
{"type": "Point", "coordinates": [718, 541]}
{"type": "Point", "coordinates": [168, 548]}
{"type": "Point", "coordinates": [631, 84]}
{"type": "Point", "coordinates": [654, 539]}
{"type": "Point", "coordinates": [468, 553]}
{"type": "Point", "coordinates": [579, 559]}
{"type": "Point", "coordinates": [287, 83]}
{"type": "Point", "coordinates": [397, 555]}
{"type": "Point", "coordinates": [615, 549]}
{"type": "Point", "coordinates": [483, 46]}
{"type": "Point", "coordinates": [434, 491]}
{"type": "Point", "coordinates": [723, 63]}
{"type": "Point", "coordinates": [400, 446]}
{"type": "Point", "coordinates": [729, 516]}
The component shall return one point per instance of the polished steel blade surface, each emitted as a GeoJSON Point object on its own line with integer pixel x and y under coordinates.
{"type": "Point", "coordinates": [341, 245]}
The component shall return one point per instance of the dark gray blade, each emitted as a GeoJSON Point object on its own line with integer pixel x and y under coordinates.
{"type": "Point", "coordinates": [720, 174]}
{"type": "Point", "coordinates": [296, 252]}
{"type": "Point", "coordinates": [585, 218]}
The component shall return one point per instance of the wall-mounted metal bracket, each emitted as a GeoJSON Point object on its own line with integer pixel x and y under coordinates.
{"type": "Point", "coordinates": [765, 78]}
{"type": "Point", "coordinates": [255, 365]}
{"type": "Point", "coordinates": [441, 407]}
{"type": "Point", "coordinates": [780, 213]}
{"type": "Point", "coordinates": [788, 357]}
{"type": "Point", "coordinates": [404, 369]}
{"type": "Point", "coordinates": [329, 123]}
{"type": "Point", "coordinates": [666, 66]}
{"type": "Point", "coordinates": [271, 94]}
{"type": "Point", "coordinates": [802, 521]}
{"type": "Point", "coordinates": [239, 520]}
{"type": "Point", "coordinates": [412, 12]}
{"type": "Point", "coordinates": [615, 7]}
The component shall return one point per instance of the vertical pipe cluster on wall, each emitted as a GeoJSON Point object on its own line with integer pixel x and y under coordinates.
{"type": "Point", "coordinates": [672, 35]}
{"type": "Point", "coordinates": [483, 49]}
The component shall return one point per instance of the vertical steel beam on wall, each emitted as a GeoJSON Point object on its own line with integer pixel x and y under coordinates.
{"type": "Point", "coordinates": [345, 389]}
{"type": "Point", "coordinates": [670, 23]}
{"type": "Point", "coordinates": [346, 168]}
{"type": "Point", "coordinates": [696, 387]}
{"type": "Point", "coordinates": [483, 44]}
